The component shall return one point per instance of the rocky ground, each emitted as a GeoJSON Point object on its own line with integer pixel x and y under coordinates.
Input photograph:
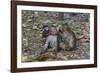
{"type": "Point", "coordinates": [32, 23]}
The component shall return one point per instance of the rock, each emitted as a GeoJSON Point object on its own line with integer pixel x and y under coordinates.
{"type": "Point", "coordinates": [35, 28]}
{"type": "Point", "coordinates": [80, 37]}
{"type": "Point", "coordinates": [46, 56]}
{"type": "Point", "coordinates": [27, 58]}
{"type": "Point", "coordinates": [29, 20]}
{"type": "Point", "coordinates": [85, 44]}
{"type": "Point", "coordinates": [25, 24]}
{"type": "Point", "coordinates": [47, 21]}
{"type": "Point", "coordinates": [36, 13]}
{"type": "Point", "coordinates": [84, 40]}
{"type": "Point", "coordinates": [25, 54]}
{"type": "Point", "coordinates": [24, 58]}
{"type": "Point", "coordinates": [60, 56]}
{"type": "Point", "coordinates": [54, 24]}
{"type": "Point", "coordinates": [25, 42]}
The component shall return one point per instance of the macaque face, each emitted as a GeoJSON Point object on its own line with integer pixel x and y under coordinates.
{"type": "Point", "coordinates": [46, 28]}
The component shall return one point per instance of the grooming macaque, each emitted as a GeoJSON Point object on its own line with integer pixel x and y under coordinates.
{"type": "Point", "coordinates": [59, 38]}
{"type": "Point", "coordinates": [70, 38]}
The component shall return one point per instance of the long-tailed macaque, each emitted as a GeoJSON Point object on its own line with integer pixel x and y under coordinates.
{"type": "Point", "coordinates": [66, 38]}
{"type": "Point", "coordinates": [51, 41]}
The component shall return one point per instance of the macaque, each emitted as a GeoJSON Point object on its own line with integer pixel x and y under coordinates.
{"type": "Point", "coordinates": [51, 41]}
{"type": "Point", "coordinates": [70, 38]}
{"type": "Point", "coordinates": [45, 33]}
{"type": "Point", "coordinates": [60, 38]}
{"type": "Point", "coordinates": [66, 38]}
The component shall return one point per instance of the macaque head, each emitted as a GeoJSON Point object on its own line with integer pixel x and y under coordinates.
{"type": "Point", "coordinates": [53, 30]}
{"type": "Point", "coordinates": [45, 27]}
{"type": "Point", "coordinates": [60, 28]}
